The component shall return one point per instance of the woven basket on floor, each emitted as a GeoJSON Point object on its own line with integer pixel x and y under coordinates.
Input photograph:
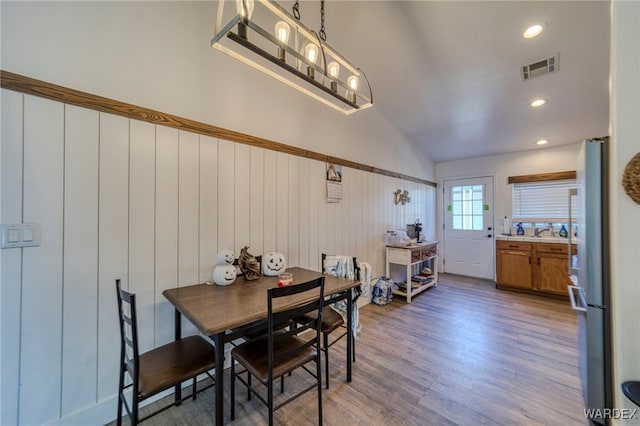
{"type": "Point", "coordinates": [631, 178]}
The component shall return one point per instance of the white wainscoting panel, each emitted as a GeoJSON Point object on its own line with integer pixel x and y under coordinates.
{"type": "Point", "coordinates": [80, 272]}
{"type": "Point", "coordinates": [142, 190]}
{"type": "Point", "coordinates": [113, 245]}
{"type": "Point", "coordinates": [166, 229]}
{"type": "Point", "coordinates": [188, 209]}
{"type": "Point", "coordinates": [208, 206]}
{"type": "Point", "coordinates": [11, 259]}
{"type": "Point", "coordinates": [121, 198]}
{"type": "Point", "coordinates": [282, 204]}
{"type": "Point", "coordinates": [242, 199]}
{"type": "Point", "coordinates": [293, 211]}
{"type": "Point", "coordinates": [304, 239]}
{"type": "Point", "coordinates": [41, 319]}
{"type": "Point", "coordinates": [226, 199]}
{"type": "Point", "coordinates": [270, 201]}
{"type": "Point", "coordinates": [256, 206]}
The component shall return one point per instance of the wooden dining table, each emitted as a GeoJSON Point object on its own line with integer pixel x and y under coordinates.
{"type": "Point", "coordinates": [217, 310]}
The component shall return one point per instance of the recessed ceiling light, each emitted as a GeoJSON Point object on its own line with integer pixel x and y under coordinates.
{"type": "Point", "coordinates": [542, 142]}
{"type": "Point", "coordinates": [538, 102]}
{"type": "Point", "coordinates": [533, 31]}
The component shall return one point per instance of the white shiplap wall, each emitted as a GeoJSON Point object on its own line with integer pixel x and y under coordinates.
{"type": "Point", "coordinates": [120, 198]}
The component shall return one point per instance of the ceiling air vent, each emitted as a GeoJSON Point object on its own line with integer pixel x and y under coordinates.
{"type": "Point", "coordinates": [539, 68]}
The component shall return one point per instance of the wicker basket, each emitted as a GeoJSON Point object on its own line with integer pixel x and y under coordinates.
{"type": "Point", "coordinates": [631, 178]}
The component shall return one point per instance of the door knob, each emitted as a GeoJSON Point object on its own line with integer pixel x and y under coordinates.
{"type": "Point", "coordinates": [489, 229]}
{"type": "Point", "coordinates": [489, 236]}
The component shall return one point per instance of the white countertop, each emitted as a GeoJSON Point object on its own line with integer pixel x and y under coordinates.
{"type": "Point", "coordinates": [543, 239]}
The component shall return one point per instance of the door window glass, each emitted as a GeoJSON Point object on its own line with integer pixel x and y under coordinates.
{"type": "Point", "coordinates": [467, 207]}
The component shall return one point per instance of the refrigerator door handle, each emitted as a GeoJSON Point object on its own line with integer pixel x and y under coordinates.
{"type": "Point", "coordinates": [578, 309]}
{"type": "Point", "coordinates": [591, 305]}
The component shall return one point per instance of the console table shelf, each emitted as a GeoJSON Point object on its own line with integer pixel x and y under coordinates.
{"type": "Point", "coordinates": [414, 257]}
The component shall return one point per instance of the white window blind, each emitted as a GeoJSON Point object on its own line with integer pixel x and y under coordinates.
{"type": "Point", "coordinates": [542, 201]}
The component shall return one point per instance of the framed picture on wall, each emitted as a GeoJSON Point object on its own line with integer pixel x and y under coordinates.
{"type": "Point", "coordinates": [334, 172]}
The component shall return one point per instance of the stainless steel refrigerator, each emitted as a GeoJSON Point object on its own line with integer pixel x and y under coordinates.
{"type": "Point", "coordinates": [590, 296]}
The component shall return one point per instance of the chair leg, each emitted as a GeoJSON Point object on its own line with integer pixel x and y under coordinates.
{"type": "Point", "coordinates": [194, 388]}
{"type": "Point", "coordinates": [120, 396]}
{"type": "Point", "coordinates": [325, 337]}
{"type": "Point", "coordinates": [232, 414]}
{"type": "Point", "coordinates": [319, 376]}
{"type": "Point", "coordinates": [249, 386]}
{"type": "Point", "coordinates": [281, 384]}
{"type": "Point", "coordinates": [134, 410]}
{"type": "Point", "coordinates": [353, 348]}
{"type": "Point", "coordinates": [270, 400]}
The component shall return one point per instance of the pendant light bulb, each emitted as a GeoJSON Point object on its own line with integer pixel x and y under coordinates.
{"type": "Point", "coordinates": [311, 53]}
{"type": "Point", "coordinates": [352, 82]}
{"type": "Point", "coordinates": [282, 31]}
{"type": "Point", "coordinates": [240, 7]}
{"type": "Point", "coordinates": [334, 71]}
{"type": "Point", "coordinates": [245, 10]}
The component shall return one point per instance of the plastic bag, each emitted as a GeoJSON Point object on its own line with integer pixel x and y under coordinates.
{"type": "Point", "coordinates": [382, 291]}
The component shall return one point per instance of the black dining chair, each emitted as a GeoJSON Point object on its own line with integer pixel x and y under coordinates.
{"type": "Point", "coordinates": [332, 320]}
{"type": "Point", "coordinates": [279, 352]}
{"type": "Point", "coordinates": [158, 369]}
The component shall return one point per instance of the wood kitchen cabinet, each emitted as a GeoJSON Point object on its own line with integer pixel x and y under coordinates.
{"type": "Point", "coordinates": [535, 267]}
{"type": "Point", "coordinates": [513, 264]}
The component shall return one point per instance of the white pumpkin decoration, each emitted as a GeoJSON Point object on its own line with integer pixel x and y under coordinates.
{"type": "Point", "coordinates": [225, 257]}
{"type": "Point", "coordinates": [224, 274]}
{"type": "Point", "coordinates": [273, 264]}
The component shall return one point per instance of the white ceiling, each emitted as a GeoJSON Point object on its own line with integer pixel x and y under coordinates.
{"type": "Point", "coordinates": [447, 73]}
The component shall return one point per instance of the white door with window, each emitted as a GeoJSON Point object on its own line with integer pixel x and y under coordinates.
{"type": "Point", "coordinates": [468, 227]}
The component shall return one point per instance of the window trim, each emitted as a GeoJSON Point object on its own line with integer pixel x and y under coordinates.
{"type": "Point", "coordinates": [542, 177]}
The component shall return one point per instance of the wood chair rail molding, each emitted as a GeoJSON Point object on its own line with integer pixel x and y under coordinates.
{"type": "Point", "coordinates": [541, 177]}
{"type": "Point", "coordinates": [20, 83]}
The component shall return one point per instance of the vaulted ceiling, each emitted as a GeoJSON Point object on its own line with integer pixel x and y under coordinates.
{"type": "Point", "coordinates": [447, 73]}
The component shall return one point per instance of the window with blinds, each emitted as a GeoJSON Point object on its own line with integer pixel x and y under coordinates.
{"type": "Point", "coordinates": [542, 201]}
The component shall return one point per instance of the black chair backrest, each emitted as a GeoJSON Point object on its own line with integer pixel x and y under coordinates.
{"type": "Point", "coordinates": [129, 355]}
{"type": "Point", "coordinates": [312, 293]}
{"type": "Point", "coordinates": [356, 268]}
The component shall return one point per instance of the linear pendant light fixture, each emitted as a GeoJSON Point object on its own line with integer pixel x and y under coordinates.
{"type": "Point", "coordinates": [276, 43]}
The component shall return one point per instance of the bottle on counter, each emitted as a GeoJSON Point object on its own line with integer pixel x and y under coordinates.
{"type": "Point", "coordinates": [563, 232]}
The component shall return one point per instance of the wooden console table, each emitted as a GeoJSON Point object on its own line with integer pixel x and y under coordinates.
{"type": "Point", "coordinates": [414, 257]}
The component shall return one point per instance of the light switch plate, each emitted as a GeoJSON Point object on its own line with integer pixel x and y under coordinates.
{"type": "Point", "coordinates": [30, 234]}
{"type": "Point", "coordinates": [11, 235]}
{"type": "Point", "coordinates": [16, 235]}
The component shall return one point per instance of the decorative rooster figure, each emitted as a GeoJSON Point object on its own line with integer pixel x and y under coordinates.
{"type": "Point", "coordinates": [248, 265]}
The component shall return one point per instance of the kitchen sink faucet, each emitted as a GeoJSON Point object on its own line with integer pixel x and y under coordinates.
{"type": "Point", "coordinates": [539, 231]}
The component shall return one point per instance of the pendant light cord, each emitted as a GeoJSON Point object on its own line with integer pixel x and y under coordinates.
{"type": "Point", "coordinates": [296, 10]}
{"type": "Point", "coordinates": [323, 34]}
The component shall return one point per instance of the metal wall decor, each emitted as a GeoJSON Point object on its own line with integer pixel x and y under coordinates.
{"type": "Point", "coordinates": [401, 197]}
{"type": "Point", "coordinates": [263, 35]}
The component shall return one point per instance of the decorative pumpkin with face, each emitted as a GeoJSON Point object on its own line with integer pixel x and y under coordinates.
{"type": "Point", "coordinates": [224, 274]}
{"type": "Point", "coordinates": [225, 257]}
{"type": "Point", "coordinates": [273, 264]}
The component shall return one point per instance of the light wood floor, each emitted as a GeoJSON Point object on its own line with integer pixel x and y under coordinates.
{"type": "Point", "coordinates": [462, 353]}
